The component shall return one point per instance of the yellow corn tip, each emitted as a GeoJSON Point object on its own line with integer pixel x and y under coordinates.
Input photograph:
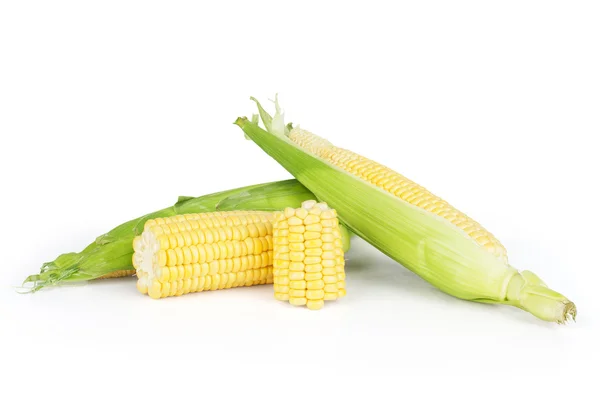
{"type": "Point", "coordinates": [397, 185]}
{"type": "Point", "coordinates": [208, 251]}
{"type": "Point", "coordinates": [308, 266]}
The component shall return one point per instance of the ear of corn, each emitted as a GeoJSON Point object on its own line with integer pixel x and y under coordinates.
{"type": "Point", "coordinates": [308, 265]}
{"type": "Point", "coordinates": [110, 255]}
{"type": "Point", "coordinates": [408, 223]}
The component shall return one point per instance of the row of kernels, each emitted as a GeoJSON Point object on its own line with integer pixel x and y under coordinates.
{"type": "Point", "coordinates": [170, 239]}
{"type": "Point", "coordinates": [208, 252]}
{"type": "Point", "coordinates": [158, 289]}
{"type": "Point", "coordinates": [235, 217]}
{"type": "Point", "coordinates": [214, 267]}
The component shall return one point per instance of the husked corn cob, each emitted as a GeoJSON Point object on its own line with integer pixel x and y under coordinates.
{"type": "Point", "coordinates": [308, 255]}
{"type": "Point", "coordinates": [206, 251]}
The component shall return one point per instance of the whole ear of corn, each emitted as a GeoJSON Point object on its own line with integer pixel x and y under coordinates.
{"type": "Point", "coordinates": [110, 255]}
{"type": "Point", "coordinates": [406, 222]}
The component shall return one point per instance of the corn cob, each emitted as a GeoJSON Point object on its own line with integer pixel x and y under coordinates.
{"type": "Point", "coordinates": [308, 256]}
{"type": "Point", "coordinates": [406, 222]}
{"type": "Point", "coordinates": [110, 255]}
{"type": "Point", "coordinates": [207, 251]}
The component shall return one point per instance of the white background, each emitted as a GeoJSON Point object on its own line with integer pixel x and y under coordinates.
{"type": "Point", "coordinates": [111, 109]}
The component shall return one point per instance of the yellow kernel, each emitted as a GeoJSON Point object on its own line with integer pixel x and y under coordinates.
{"type": "Point", "coordinates": [282, 280]}
{"type": "Point", "coordinates": [187, 284]}
{"type": "Point", "coordinates": [315, 294]}
{"type": "Point", "coordinates": [296, 238]}
{"type": "Point", "coordinates": [282, 296]}
{"type": "Point", "coordinates": [252, 230]}
{"type": "Point", "coordinates": [205, 269]}
{"type": "Point", "coordinates": [328, 223]}
{"type": "Point", "coordinates": [187, 271]}
{"type": "Point", "coordinates": [327, 215]}
{"type": "Point", "coordinates": [328, 255]}
{"type": "Point", "coordinates": [341, 284]}
{"type": "Point", "coordinates": [314, 227]}
{"type": "Point", "coordinates": [282, 272]}
{"type": "Point", "coordinates": [298, 293]}
{"type": "Point", "coordinates": [228, 265]}
{"type": "Point", "coordinates": [296, 266]}
{"type": "Point", "coordinates": [295, 246]}
{"type": "Point", "coordinates": [172, 241]}
{"type": "Point", "coordinates": [297, 229]}
{"type": "Point", "coordinates": [155, 289]}
{"type": "Point", "coordinates": [328, 246]}
{"type": "Point", "coordinates": [282, 289]}
{"type": "Point", "coordinates": [213, 267]}
{"type": "Point", "coordinates": [243, 263]}
{"type": "Point", "coordinates": [327, 238]}
{"type": "Point", "coordinates": [171, 257]}
{"type": "Point", "coordinates": [163, 274]}
{"type": "Point", "coordinates": [330, 278]}
{"type": "Point", "coordinates": [294, 221]}
{"type": "Point", "coordinates": [311, 219]}
{"type": "Point", "coordinates": [329, 263]}
{"type": "Point", "coordinates": [341, 292]}
{"type": "Point", "coordinates": [258, 246]}
{"type": "Point", "coordinates": [282, 249]}
{"type": "Point", "coordinates": [312, 260]}
{"type": "Point", "coordinates": [282, 241]}
{"type": "Point", "coordinates": [215, 282]}
{"type": "Point", "coordinates": [331, 288]}
{"type": "Point", "coordinates": [166, 289]}
{"type": "Point", "coordinates": [301, 213]}
{"type": "Point", "coordinates": [222, 266]}
{"type": "Point", "coordinates": [314, 304]}
{"type": "Point", "coordinates": [196, 270]}
{"type": "Point", "coordinates": [316, 284]}
{"type": "Point", "coordinates": [313, 268]}
{"type": "Point", "coordinates": [296, 256]}
{"type": "Point", "coordinates": [299, 284]}
{"type": "Point", "coordinates": [329, 271]}
{"type": "Point", "coordinates": [311, 235]}
{"type": "Point", "coordinates": [289, 212]}
{"type": "Point", "coordinates": [313, 243]}
{"type": "Point", "coordinates": [296, 275]}
{"type": "Point", "coordinates": [312, 276]}
{"type": "Point", "coordinates": [236, 264]}
{"type": "Point", "coordinates": [297, 301]}
{"type": "Point", "coordinates": [174, 288]}
{"type": "Point", "coordinates": [330, 296]}
{"type": "Point", "coordinates": [187, 255]}
{"type": "Point", "coordinates": [315, 252]}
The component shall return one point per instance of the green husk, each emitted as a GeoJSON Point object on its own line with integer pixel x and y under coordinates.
{"type": "Point", "coordinates": [423, 242]}
{"type": "Point", "coordinates": [113, 250]}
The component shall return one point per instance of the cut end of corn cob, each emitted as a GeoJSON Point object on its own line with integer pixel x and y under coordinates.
{"type": "Point", "coordinates": [308, 255]}
{"type": "Point", "coordinates": [205, 251]}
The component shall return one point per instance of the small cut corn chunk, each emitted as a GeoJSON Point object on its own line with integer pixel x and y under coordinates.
{"type": "Point", "coordinates": [308, 265]}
